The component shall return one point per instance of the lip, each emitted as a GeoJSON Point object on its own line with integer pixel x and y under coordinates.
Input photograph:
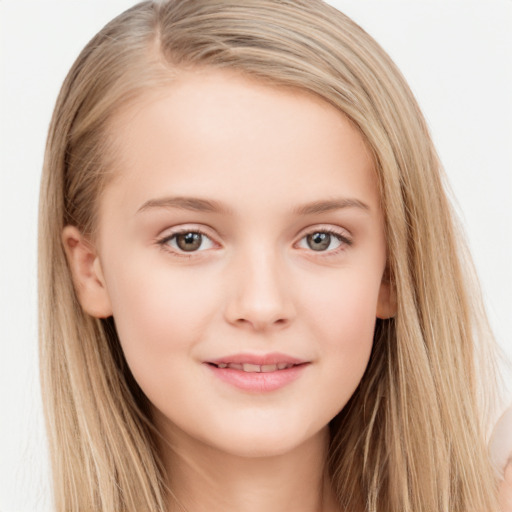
{"type": "Point", "coordinates": [258, 359]}
{"type": "Point", "coordinates": [258, 382]}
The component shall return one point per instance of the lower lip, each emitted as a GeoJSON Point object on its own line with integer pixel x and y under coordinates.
{"type": "Point", "coordinates": [258, 382]}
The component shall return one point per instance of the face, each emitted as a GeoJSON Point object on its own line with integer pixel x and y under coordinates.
{"type": "Point", "coordinates": [241, 252]}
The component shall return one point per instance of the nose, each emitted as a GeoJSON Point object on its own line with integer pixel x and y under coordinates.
{"type": "Point", "coordinates": [260, 298]}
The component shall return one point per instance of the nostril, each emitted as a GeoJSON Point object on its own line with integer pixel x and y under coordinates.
{"type": "Point", "coordinates": [261, 324]}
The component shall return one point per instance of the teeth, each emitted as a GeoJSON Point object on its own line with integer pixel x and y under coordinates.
{"type": "Point", "coordinates": [251, 368]}
{"type": "Point", "coordinates": [255, 368]}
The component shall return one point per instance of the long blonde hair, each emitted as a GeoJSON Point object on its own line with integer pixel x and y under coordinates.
{"type": "Point", "coordinates": [413, 436]}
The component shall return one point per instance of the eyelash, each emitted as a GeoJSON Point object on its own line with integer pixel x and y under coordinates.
{"type": "Point", "coordinates": [164, 242]}
{"type": "Point", "coordinates": [344, 240]}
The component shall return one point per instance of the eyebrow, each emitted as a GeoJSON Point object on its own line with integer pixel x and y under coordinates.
{"type": "Point", "coordinates": [206, 205]}
{"type": "Point", "coordinates": [330, 205]}
{"type": "Point", "coordinates": [194, 204]}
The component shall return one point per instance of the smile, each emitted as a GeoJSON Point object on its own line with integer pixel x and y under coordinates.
{"type": "Point", "coordinates": [255, 368]}
{"type": "Point", "coordinates": [258, 373]}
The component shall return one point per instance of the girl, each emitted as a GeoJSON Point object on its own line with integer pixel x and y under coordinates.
{"type": "Point", "coordinates": [253, 293]}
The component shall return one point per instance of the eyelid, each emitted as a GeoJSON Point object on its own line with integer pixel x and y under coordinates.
{"type": "Point", "coordinates": [342, 234]}
{"type": "Point", "coordinates": [170, 233]}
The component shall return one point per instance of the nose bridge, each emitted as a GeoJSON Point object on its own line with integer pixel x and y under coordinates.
{"type": "Point", "coordinates": [259, 293]}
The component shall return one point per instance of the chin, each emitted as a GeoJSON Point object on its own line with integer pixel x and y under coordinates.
{"type": "Point", "coordinates": [266, 442]}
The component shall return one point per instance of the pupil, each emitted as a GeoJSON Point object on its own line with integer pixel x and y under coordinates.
{"type": "Point", "coordinates": [189, 241]}
{"type": "Point", "coordinates": [319, 241]}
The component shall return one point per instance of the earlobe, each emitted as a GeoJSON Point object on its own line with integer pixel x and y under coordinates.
{"type": "Point", "coordinates": [87, 273]}
{"type": "Point", "coordinates": [386, 304]}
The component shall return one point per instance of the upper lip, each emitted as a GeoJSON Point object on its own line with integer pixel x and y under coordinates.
{"type": "Point", "coordinates": [258, 359]}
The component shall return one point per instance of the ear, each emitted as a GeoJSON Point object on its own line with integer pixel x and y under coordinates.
{"type": "Point", "coordinates": [87, 274]}
{"type": "Point", "coordinates": [386, 303]}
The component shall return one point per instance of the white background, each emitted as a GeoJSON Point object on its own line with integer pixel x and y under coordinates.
{"type": "Point", "coordinates": [457, 57]}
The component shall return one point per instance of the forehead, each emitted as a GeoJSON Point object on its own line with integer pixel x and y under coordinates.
{"type": "Point", "coordinates": [212, 133]}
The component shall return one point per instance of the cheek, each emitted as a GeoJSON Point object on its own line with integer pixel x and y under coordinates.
{"type": "Point", "coordinates": [344, 308]}
{"type": "Point", "coordinates": [343, 317]}
{"type": "Point", "coordinates": [165, 316]}
{"type": "Point", "coordinates": [159, 328]}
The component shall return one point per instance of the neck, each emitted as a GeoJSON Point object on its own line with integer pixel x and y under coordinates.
{"type": "Point", "coordinates": [206, 479]}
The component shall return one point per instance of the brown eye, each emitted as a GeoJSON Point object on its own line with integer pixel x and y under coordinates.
{"type": "Point", "coordinates": [189, 241]}
{"type": "Point", "coordinates": [319, 241]}
{"type": "Point", "coordinates": [324, 241]}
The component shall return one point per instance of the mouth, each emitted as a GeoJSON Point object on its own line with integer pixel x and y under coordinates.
{"type": "Point", "coordinates": [255, 368]}
{"type": "Point", "coordinates": [258, 374]}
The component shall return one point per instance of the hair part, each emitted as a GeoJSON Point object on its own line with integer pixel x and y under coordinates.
{"type": "Point", "coordinates": [413, 436]}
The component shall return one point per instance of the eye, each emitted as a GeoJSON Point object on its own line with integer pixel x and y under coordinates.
{"type": "Point", "coordinates": [323, 241]}
{"type": "Point", "coordinates": [188, 241]}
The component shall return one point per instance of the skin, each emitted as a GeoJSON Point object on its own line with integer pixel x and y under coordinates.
{"type": "Point", "coordinates": [506, 489]}
{"type": "Point", "coordinates": [256, 284]}
{"type": "Point", "coordinates": [501, 454]}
